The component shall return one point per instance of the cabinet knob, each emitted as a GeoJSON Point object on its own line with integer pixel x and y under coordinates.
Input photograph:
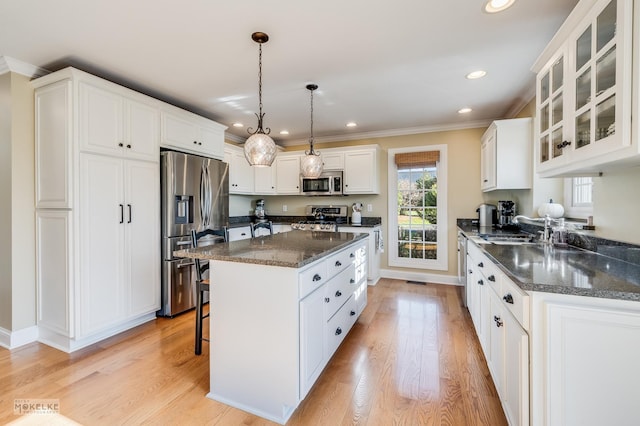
{"type": "Point", "coordinates": [317, 277]}
{"type": "Point", "coordinates": [352, 281]}
{"type": "Point", "coordinates": [338, 263]}
{"type": "Point", "coordinates": [195, 142]}
{"type": "Point", "coordinates": [338, 293]}
{"type": "Point", "coordinates": [498, 321]}
{"type": "Point", "coordinates": [492, 278]}
{"type": "Point", "coordinates": [338, 331]}
{"type": "Point", "coordinates": [470, 271]}
{"type": "Point", "coordinates": [353, 313]}
{"type": "Point", "coordinates": [352, 255]}
{"type": "Point", "coordinates": [486, 180]}
{"type": "Point", "coordinates": [121, 144]}
{"type": "Point", "coordinates": [327, 300]}
{"type": "Point", "coordinates": [481, 265]}
{"type": "Point", "coordinates": [129, 146]}
{"type": "Point", "coordinates": [508, 298]}
{"type": "Point", "coordinates": [480, 282]}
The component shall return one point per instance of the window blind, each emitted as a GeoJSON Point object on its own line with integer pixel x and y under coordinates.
{"type": "Point", "coordinates": [408, 160]}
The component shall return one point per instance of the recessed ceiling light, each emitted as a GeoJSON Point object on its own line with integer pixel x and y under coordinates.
{"type": "Point", "coordinates": [284, 132]}
{"type": "Point", "coordinates": [464, 110]}
{"type": "Point", "coordinates": [476, 74]}
{"type": "Point", "coordinates": [494, 6]}
{"type": "Point", "coordinates": [238, 125]}
{"type": "Point", "coordinates": [351, 124]}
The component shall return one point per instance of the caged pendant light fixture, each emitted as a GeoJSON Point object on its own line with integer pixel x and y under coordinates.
{"type": "Point", "coordinates": [260, 149]}
{"type": "Point", "coordinates": [311, 163]}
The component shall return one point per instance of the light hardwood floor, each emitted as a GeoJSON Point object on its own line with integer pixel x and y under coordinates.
{"type": "Point", "coordinates": [411, 359]}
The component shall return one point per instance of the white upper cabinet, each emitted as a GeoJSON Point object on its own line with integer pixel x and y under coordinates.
{"type": "Point", "coordinates": [288, 174]}
{"type": "Point", "coordinates": [192, 133]}
{"type": "Point", "coordinates": [505, 155]}
{"type": "Point", "coordinates": [113, 124]}
{"type": "Point", "coordinates": [361, 171]}
{"type": "Point", "coordinates": [241, 174]}
{"type": "Point", "coordinates": [332, 160]}
{"type": "Point", "coordinates": [584, 96]}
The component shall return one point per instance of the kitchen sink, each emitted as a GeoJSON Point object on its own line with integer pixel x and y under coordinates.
{"type": "Point", "coordinates": [516, 239]}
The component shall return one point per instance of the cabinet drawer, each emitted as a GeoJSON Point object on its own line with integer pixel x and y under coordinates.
{"type": "Point", "coordinates": [340, 261]}
{"type": "Point", "coordinates": [312, 278]}
{"type": "Point", "coordinates": [338, 290]}
{"type": "Point", "coordinates": [340, 324]}
{"type": "Point", "coordinates": [516, 301]}
{"type": "Point", "coordinates": [240, 233]}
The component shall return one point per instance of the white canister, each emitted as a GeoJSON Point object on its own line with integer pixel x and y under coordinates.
{"type": "Point", "coordinates": [356, 218]}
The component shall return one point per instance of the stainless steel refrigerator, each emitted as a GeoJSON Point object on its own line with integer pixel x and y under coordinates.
{"type": "Point", "coordinates": [194, 195]}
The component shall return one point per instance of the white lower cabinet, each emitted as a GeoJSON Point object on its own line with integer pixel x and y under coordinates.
{"type": "Point", "coordinates": [497, 306]}
{"type": "Point", "coordinates": [118, 235]}
{"type": "Point", "coordinates": [585, 368]}
{"type": "Point", "coordinates": [373, 251]}
{"type": "Point", "coordinates": [332, 301]}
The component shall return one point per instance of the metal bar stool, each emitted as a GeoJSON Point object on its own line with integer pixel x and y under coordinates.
{"type": "Point", "coordinates": [202, 284]}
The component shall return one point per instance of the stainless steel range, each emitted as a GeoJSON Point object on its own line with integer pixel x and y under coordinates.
{"type": "Point", "coordinates": [325, 218]}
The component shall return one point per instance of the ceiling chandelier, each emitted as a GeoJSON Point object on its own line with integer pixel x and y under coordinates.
{"type": "Point", "coordinates": [259, 149]}
{"type": "Point", "coordinates": [311, 163]}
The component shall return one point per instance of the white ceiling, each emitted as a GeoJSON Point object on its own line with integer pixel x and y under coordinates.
{"type": "Point", "coordinates": [394, 67]}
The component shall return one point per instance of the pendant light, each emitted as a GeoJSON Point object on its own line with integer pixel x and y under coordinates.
{"type": "Point", "coordinates": [260, 149]}
{"type": "Point", "coordinates": [311, 163]}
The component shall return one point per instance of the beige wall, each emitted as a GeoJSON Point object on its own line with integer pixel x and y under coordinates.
{"type": "Point", "coordinates": [5, 207]}
{"type": "Point", "coordinates": [22, 202]}
{"type": "Point", "coordinates": [616, 205]}
{"type": "Point", "coordinates": [463, 180]}
{"type": "Point", "coordinates": [17, 210]}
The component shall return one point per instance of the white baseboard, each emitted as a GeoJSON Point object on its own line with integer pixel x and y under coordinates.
{"type": "Point", "coordinates": [420, 277]}
{"type": "Point", "coordinates": [66, 344]}
{"type": "Point", "coordinates": [15, 339]}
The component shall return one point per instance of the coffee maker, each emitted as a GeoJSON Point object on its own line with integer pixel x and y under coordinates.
{"type": "Point", "coordinates": [506, 213]}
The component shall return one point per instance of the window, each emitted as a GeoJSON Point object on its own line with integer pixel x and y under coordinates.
{"type": "Point", "coordinates": [578, 197]}
{"type": "Point", "coordinates": [417, 208]}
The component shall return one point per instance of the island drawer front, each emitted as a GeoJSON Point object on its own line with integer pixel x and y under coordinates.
{"type": "Point", "coordinates": [516, 301]}
{"type": "Point", "coordinates": [340, 324]}
{"type": "Point", "coordinates": [338, 290]}
{"type": "Point", "coordinates": [312, 278]}
{"type": "Point", "coordinates": [340, 261]}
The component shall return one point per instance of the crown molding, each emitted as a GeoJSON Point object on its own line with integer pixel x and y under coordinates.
{"type": "Point", "coordinates": [392, 132]}
{"type": "Point", "coordinates": [9, 64]}
{"type": "Point", "coordinates": [522, 102]}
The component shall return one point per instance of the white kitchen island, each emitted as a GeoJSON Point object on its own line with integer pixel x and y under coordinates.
{"type": "Point", "coordinates": [280, 307]}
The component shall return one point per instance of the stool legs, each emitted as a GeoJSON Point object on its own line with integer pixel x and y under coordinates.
{"type": "Point", "coordinates": [199, 303]}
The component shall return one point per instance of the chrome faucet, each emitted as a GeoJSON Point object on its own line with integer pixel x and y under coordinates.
{"type": "Point", "coordinates": [545, 236]}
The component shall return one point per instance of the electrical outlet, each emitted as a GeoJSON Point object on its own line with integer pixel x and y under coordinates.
{"type": "Point", "coordinates": [369, 207]}
{"type": "Point", "coordinates": [284, 207]}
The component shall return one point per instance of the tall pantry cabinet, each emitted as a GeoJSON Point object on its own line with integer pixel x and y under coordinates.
{"type": "Point", "coordinates": [97, 208]}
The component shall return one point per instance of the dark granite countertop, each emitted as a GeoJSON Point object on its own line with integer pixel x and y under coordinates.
{"type": "Point", "coordinates": [588, 267]}
{"type": "Point", "coordinates": [567, 270]}
{"type": "Point", "coordinates": [293, 249]}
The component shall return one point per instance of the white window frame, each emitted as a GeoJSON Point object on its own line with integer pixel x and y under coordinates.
{"type": "Point", "coordinates": [572, 208]}
{"type": "Point", "coordinates": [442, 252]}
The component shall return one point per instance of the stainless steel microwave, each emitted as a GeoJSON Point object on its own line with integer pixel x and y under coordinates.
{"type": "Point", "coordinates": [328, 183]}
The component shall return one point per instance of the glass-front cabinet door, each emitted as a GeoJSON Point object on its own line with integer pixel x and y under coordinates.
{"type": "Point", "coordinates": [551, 115]}
{"type": "Point", "coordinates": [584, 92]}
{"type": "Point", "coordinates": [601, 108]}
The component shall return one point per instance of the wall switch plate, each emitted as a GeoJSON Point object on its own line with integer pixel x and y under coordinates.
{"type": "Point", "coordinates": [369, 207]}
{"type": "Point", "coordinates": [284, 207]}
